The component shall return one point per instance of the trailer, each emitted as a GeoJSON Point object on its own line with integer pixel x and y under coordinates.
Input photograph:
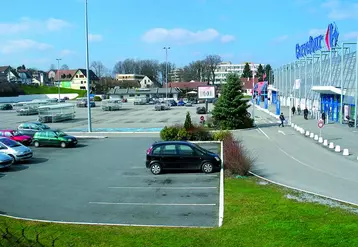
{"type": "Point", "coordinates": [111, 104]}
{"type": "Point", "coordinates": [56, 113]}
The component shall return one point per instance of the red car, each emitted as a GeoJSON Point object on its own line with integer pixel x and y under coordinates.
{"type": "Point", "coordinates": [13, 135]}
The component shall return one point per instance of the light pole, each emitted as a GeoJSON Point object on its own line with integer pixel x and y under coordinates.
{"type": "Point", "coordinates": [253, 93]}
{"type": "Point", "coordinates": [58, 78]}
{"type": "Point", "coordinates": [166, 48]}
{"type": "Point", "coordinates": [88, 73]}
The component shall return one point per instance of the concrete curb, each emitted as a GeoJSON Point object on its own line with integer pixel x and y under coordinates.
{"type": "Point", "coordinates": [91, 137]}
{"type": "Point", "coordinates": [316, 138]}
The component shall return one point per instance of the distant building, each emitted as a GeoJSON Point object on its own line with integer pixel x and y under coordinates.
{"type": "Point", "coordinates": [131, 93]}
{"type": "Point", "coordinates": [192, 85]}
{"type": "Point", "coordinates": [176, 75]}
{"type": "Point", "coordinates": [73, 78]}
{"type": "Point", "coordinates": [143, 80]}
{"type": "Point", "coordinates": [225, 68]}
{"type": "Point", "coordinates": [9, 74]}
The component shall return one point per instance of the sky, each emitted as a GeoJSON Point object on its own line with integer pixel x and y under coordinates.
{"type": "Point", "coordinates": [35, 33]}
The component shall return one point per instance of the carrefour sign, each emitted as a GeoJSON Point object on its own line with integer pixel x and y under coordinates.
{"type": "Point", "coordinates": [315, 44]}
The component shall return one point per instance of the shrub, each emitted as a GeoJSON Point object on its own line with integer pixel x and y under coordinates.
{"type": "Point", "coordinates": [236, 158]}
{"type": "Point", "coordinates": [221, 135]}
{"type": "Point", "coordinates": [182, 135]}
{"type": "Point", "coordinates": [97, 98]}
{"type": "Point", "coordinates": [169, 133]}
{"type": "Point", "coordinates": [199, 133]}
{"type": "Point", "coordinates": [188, 124]}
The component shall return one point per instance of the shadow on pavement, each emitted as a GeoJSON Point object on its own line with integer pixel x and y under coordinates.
{"type": "Point", "coordinates": [17, 168]}
{"type": "Point", "coordinates": [35, 161]}
{"type": "Point", "coordinates": [266, 125]}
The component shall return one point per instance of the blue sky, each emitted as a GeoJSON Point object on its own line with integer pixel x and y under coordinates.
{"type": "Point", "coordinates": [35, 33]}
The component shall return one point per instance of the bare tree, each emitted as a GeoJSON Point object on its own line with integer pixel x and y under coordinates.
{"type": "Point", "coordinates": [195, 71]}
{"type": "Point", "coordinates": [131, 66]}
{"type": "Point", "coordinates": [163, 69]}
{"type": "Point", "coordinates": [64, 67]}
{"type": "Point", "coordinates": [118, 68]}
{"type": "Point", "coordinates": [211, 63]}
{"type": "Point", "coordinates": [99, 69]}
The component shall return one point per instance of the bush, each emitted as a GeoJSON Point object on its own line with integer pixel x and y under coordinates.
{"type": "Point", "coordinates": [170, 133]}
{"type": "Point", "coordinates": [236, 158]}
{"type": "Point", "coordinates": [97, 98]}
{"type": "Point", "coordinates": [199, 133]}
{"type": "Point", "coordinates": [182, 135]}
{"type": "Point", "coordinates": [221, 135]}
{"type": "Point", "coordinates": [188, 124]}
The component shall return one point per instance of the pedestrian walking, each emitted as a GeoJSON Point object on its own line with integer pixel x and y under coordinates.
{"type": "Point", "coordinates": [305, 113]}
{"type": "Point", "coordinates": [299, 110]}
{"type": "Point", "coordinates": [282, 119]}
{"type": "Point", "coordinates": [293, 109]}
{"type": "Point", "coordinates": [324, 117]}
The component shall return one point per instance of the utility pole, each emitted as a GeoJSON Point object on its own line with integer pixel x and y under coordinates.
{"type": "Point", "coordinates": [58, 78]}
{"type": "Point", "coordinates": [88, 73]}
{"type": "Point", "coordinates": [166, 70]}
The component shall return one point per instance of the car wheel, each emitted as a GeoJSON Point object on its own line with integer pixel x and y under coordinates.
{"type": "Point", "coordinates": [13, 158]}
{"type": "Point", "coordinates": [36, 144]}
{"type": "Point", "coordinates": [156, 168]}
{"type": "Point", "coordinates": [207, 167]}
{"type": "Point", "coordinates": [63, 145]}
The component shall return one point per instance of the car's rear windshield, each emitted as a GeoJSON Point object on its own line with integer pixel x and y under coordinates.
{"type": "Point", "coordinates": [10, 143]}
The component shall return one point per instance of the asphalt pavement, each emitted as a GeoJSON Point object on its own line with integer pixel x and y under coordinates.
{"type": "Point", "coordinates": [105, 181]}
{"type": "Point", "coordinates": [285, 156]}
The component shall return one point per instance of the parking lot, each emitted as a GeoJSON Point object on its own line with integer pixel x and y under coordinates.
{"type": "Point", "coordinates": [105, 181]}
{"type": "Point", "coordinates": [130, 116]}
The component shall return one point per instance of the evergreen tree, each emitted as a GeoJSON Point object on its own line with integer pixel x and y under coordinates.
{"type": "Point", "coordinates": [269, 74]}
{"type": "Point", "coordinates": [230, 110]}
{"type": "Point", "coordinates": [260, 73]}
{"type": "Point", "coordinates": [247, 72]}
{"type": "Point", "coordinates": [188, 124]}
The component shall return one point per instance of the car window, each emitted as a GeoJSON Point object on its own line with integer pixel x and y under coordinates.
{"type": "Point", "coordinates": [60, 133]}
{"type": "Point", "coordinates": [185, 150]}
{"type": "Point", "coordinates": [51, 134]}
{"type": "Point", "coordinates": [156, 150]}
{"type": "Point", "coordinates": [34, 127]}
{"type": "Point", "coordinates": [8, 134]}
{"type": "Point", "coordinates": [169, 150]}
{"type": "Point", "coordinates": [9, 143]}
{"type": "Point", "coordinates": [24, 126]}
{"type": "Point", "coordinates": [2, 134]}
{"type": "Point", "coordinates": [2, 146]}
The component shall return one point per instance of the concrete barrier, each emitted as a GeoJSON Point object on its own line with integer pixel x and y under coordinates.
{"type": "Point", "coordinates": [337, 149]}
{"type": "Point", "coordinates": [302, 131]}
{"type": "Point", "coordinates": [331, 145]}
{"type": "Point", "coordinates": [345, 152]}
{"type": "Point", "coordinates": [307, 133]}
{"type": "Point", "coordinates": [325, 142]}
{"type": "Point", "coordinates": [312, 135]}
{"type": "Point", "coordinates": [316, 137]}
{"type": "Point", "coordinates": [320, 140]}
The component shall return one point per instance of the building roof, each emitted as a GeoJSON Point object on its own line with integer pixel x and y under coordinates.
{"type": "Point", "coordinates": [125, 91]}
{"type": "Point", "coordinates": [93, 76]}
{"type": "Point", "coordinates": [3, 68]}
{"type": "Point", "coordinates": [185, 85]}
{"type": "Point", "coordinates": [247, 83]}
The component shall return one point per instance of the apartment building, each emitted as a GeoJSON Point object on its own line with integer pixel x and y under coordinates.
{"type": "Point", "coordinates": [226, 68]}
{"type": "Point", "coordinates": [176, 75]}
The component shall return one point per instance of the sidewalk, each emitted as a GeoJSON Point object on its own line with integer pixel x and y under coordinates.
{"type": "Point", "coordinates": [339, 134]}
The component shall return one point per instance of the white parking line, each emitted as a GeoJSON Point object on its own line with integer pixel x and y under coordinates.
{"type": "Point", "coordinates": [167, 188]}
{"type": "Point", "coordinates": [264, 133]}
{"type": "Point", "coordinates": [153, 204]}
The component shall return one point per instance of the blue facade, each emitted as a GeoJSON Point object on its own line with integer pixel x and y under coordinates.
{"type": "Point", "coordinates": [330, 104]}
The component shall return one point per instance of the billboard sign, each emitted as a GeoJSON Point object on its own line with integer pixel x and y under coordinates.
{"type": "Point", "coordinates": [206, 92]}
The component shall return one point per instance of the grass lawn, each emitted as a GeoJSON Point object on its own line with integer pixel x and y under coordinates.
{"type": "Point", "coordinates": [255, 215]}
{"type": "Point", "coordinates": [50, 90]}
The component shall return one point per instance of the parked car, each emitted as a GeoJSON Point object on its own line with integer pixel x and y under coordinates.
{"type": "Point", "coordinates": [180, 155]}
{"type": "Point", "coordinates": [31, 128]}
{"type": "Point", "coordinates": [15, 150]}
{"type": "Point", "coordinates": [6, 107]}
{"type": "Point", "coordinates": [14, 135]}
{"type": "Point", "coordinates": [82, 102]}
{"type": "Point", "coordinates": [5, 161]}
{"type": "Point", "coordinates": [140, 101]}
{"type": "Point", "coordinates": [172, 102]}
{"type": "Point", "coordinates": [188, 104]}
{"type": "Point", "coordinates": [201, 110]}
{"type": "Point", "coordinates": [162, 106]}
{"type": "Point", "coordinates": [54, 138]}
{"type": "Point", "coordinates": [181, 103]}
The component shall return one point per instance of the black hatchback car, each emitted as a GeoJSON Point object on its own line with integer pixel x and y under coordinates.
{"type": "Point", "coordinates": [180, 155]}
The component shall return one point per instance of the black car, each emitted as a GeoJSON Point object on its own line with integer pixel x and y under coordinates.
{"type": "Point", "coordinates": [201, 110]}
{"type": "Point", "coordinates": [31, 128]}
{"type": "Point", "coordinates": [181, 155]}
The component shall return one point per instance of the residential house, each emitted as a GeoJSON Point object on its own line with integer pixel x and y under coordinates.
{"type": "Point", "coordinates": [143, 80]}
{"type": "Point", "coordinates": [74, 78]}
{"type": "Point", "coordinates": [9, 74]}
{"type": "Point", "coordinates": [40, 77]}
{"type": "Point", "coordinates": [25, 76]}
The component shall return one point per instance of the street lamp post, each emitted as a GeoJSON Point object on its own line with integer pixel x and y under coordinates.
{"type": "Point", "coordinates": [88, 73]}
{"type": "Point", "coordinates": [58, 78]}
{"type": "Point", "coordinates": [166, 70]}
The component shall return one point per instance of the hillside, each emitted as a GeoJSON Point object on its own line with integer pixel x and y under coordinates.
{"type": "Point", "coordinates": [50, 90]}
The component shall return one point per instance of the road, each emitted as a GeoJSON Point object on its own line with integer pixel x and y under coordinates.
{"type": "Point", "coordinates": [285, 156]}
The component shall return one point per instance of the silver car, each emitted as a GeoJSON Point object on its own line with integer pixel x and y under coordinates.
{"type": "Point", "coordinates": [5, 161]}
{"type": "Point", "coordinates": [15, 150]}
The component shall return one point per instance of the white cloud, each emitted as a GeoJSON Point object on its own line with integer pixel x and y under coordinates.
{"type": "Point", "coordinates": [316, 32]}
{"type": "Point", "coordinates": [29, 25]}
{"type": "Point", "coordinates": [15, 46]}
{"type": "Point", "coordinates": [66, 52]}
{"type": "Point", "coordinates": [95, 37]}
{"type": "Point", "coordinates": [350, 36]}
{"type": "Point", "coordinates": [181, 36]}
{"type": "Point", "coordinates": [227, 38]}
{"type": "Point", "coordinates": [280, 39]}
{"type": "Point", "coordinates": [340, 10]}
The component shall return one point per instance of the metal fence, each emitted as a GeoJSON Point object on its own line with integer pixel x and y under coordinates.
{"type": "Point", "coordinates": [337, 69]}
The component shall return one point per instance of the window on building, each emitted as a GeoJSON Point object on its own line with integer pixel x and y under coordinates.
{"type": "Point", "coordinates": [76, 76]}
{"type": "Point", "coordinates": [131, 95]}
{"type": "Point", "coordinates": [82, 76]}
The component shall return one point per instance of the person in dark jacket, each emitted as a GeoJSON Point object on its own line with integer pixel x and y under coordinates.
{"type": "Point", "coordinates": [282, 119]}
{"type": "Point", "coordinates": [324, 117]}
{"type": "Point", "coordinates": [305, 113]}
{"type": "Point", "coordinates": [293, 109]}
